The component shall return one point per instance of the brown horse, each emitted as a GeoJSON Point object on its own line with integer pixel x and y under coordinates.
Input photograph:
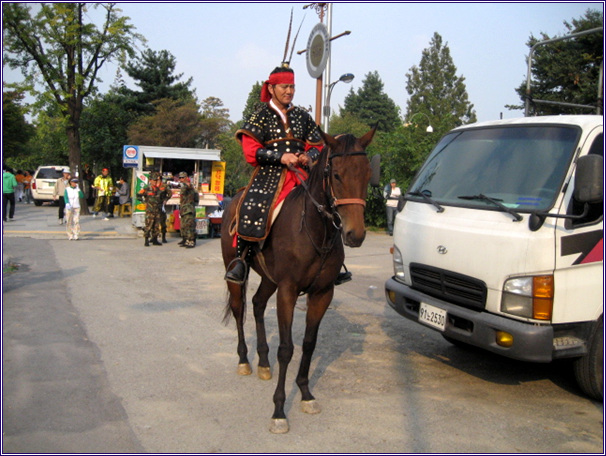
{"type": "Point", "coordinates": [303, 254]}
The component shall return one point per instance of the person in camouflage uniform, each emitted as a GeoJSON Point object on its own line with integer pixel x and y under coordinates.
{"type": "Point", "coordinates": [187, 212]}
{"type": "Point", "coordinates": [153, 194]}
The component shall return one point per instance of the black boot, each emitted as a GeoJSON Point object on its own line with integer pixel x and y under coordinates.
{"type": "Point", "coordinates": [182, 242]}
{"type": "Point", "coordinates": [343, 277]}
{"type": "Point", "coordinates": [164, 241]}
{"type": "Point", "coordinates": [146, 242]}
{"type": "Point", "coordinates": [189, 245]}
{"type": "Point", "coordinates": [155, 241]}
{"type": "Point", "coordinates": [237, 274]}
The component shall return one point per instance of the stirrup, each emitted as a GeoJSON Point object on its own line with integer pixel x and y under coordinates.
{"type": "Point", "coordinates": [343, 277]}
{"type": "Point", "coordinates": [235, 276]}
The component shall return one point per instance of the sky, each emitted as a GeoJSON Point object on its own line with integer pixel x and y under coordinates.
{"type": "Point", "coordinates": [226, 47]}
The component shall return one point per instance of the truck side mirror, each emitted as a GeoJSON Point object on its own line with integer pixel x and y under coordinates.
{"type": "Point", "coordinates": [375, 171]}
{"type": "Point", "coordinates": [589, 179]}
{"type": "Point", "coordinates": [588, 189]}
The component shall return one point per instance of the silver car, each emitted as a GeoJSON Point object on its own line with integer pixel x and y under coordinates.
{"type": "Point", "coordinates": [43, 183]}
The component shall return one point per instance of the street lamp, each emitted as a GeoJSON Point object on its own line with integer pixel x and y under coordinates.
{"type": "Point", "coordinates": [429, 128]}
{"type": "Point", "coordinates": [346, 78]}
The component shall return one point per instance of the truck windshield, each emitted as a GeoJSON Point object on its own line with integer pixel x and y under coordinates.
{"type": "Point", "coordinates": [522, 168]}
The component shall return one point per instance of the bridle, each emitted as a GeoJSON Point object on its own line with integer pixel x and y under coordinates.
{"type": "Point", "coordinates": [334, 201]}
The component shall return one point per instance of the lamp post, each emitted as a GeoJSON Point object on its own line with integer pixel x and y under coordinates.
{"type": "Point", "coordinates": [346, 78]}
{"type": "Point", "coordinates": [429, 128]}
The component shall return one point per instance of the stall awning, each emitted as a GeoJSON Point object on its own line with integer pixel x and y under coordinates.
{"type": "Point", "coordinates": [180, 153]}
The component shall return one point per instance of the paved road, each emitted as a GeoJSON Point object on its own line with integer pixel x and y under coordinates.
{"type": "Point", "coordinates": [109, 346]}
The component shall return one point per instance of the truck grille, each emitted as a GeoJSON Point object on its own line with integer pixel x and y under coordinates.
{"type": "Point", "coordinates": [449, 286]}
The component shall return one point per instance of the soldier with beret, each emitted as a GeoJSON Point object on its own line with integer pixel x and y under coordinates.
{"type": "Point", "coordinates": [187, 211]}
{"type": "Point", "coordinates": [153, 194]}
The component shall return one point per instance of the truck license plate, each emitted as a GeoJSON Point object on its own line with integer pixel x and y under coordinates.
{"type": "Point", "coordinates": [432, 316]}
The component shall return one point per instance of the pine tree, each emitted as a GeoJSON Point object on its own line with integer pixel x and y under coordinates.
{"type": "Point", "coordinates": [568, 70]}
{"type": "Point", "coordinates": [436, 91]}
{"type": "Point", "coordinates": [371, 105]}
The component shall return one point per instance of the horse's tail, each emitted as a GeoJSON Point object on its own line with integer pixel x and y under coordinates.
{"type": "Point", "coordinates": [229, 310]}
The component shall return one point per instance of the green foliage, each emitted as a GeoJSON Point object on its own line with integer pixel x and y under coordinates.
{"type": "Point", "coordinates": [237, 172]}
{"type": "Point", "coordinates": [436, 92]}
{"type": "Point", "coordinates": [16, 131]}
{"type": "Point", "coordinates": [153, 73]}
{"type": "Point", "coordinates": [253, 102]}
{"type": "Point", "coordinates": [173, 124]}
{"type": "Point", "coordinates": [104, 125]}
{"type": "Point", "coordinates": [371, 105]}
{"type": "Point", "coordinates": [567, 71]}
{"type": "Point", "coordinates": [57, 49]}
{"type": "Point", "coordinates": [214, 121]}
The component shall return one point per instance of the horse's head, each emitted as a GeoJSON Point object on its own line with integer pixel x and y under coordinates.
{"type": "Point", "coordinates": [349, 172]}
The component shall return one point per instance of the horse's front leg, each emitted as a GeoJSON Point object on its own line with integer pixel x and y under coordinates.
{"type": "Point", "coordinates": [266, 289]}
{"type": "Point", "coordinates": [237, 304]}
{"type": "Point", "coordinates": [316, 308]}
{"type": "Point", "coordinates": [286, 304]}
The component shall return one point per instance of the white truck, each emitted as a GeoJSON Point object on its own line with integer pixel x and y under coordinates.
{"type": "Point", "coordinates": [498, 242]}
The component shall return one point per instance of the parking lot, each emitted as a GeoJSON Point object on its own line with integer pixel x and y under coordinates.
{"type": "Point", "coordinates": [109, 346]}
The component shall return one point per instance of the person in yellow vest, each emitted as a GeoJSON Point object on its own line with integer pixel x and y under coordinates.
{"type": "Point", "coordinates": [105, 188]}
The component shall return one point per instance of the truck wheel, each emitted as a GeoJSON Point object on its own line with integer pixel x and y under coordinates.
{"type": "Point", "coordinates": [589, 370]}
{"type": "Point", "coordinates": [38, 202]}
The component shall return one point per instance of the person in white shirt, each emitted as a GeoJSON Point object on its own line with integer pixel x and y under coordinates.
{"type": "Point", "coordinates": [391, 194]}
{"type": "Point", "coordinates": [72, 197]}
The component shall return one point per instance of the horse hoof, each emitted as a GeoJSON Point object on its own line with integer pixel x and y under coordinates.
{"type": "Point", "coordinates": [264, 373]}
{"type": "Point", "coordinates": [244, 369]}
{"type": "Point", "coordinates": [310, 407]}
{"type": "Point", "coordinates": [279, 426]}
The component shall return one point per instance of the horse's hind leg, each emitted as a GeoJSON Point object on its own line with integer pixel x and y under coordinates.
{"type": "Point", "coordinates": [266, 289]}
{"type": "Point", "coordinates": [316, 308]}
{"type": "Point", "coordinates": [237, 304]}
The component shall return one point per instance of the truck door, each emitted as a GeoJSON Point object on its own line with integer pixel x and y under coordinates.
{"type": "Point", "coordinates": [579, 255]}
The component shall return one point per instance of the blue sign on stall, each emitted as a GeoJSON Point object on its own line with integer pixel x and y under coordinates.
{"type": "Point", "coordinates": [130, 156]}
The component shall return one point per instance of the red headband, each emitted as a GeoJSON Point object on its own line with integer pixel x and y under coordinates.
{"type": "Point", "coordinates": [284, 77]}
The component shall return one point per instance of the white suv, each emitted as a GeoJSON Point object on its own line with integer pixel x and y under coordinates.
{"type": "Point", "coordinates": [43, 183]}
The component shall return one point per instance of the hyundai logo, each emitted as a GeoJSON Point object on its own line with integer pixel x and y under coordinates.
{"type": "Point", "coordinates": [442, 250]}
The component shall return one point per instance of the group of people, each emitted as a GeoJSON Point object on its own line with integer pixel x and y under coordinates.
{"type": "Point", "coordinates": [16, 186]}
{"type": "Point", "coordinates": [154, 195]}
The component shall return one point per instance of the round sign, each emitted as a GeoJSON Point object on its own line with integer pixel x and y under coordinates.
{"type": "Point", "coordinates": [130, 152]}
{"type": "Point", "coordinates": [318, 48]}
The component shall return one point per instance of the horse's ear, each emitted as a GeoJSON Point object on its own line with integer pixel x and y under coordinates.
{"type": "Point", "coordinates": [329, 140]}
{"type": "Point", "coordinates": [367, 138]}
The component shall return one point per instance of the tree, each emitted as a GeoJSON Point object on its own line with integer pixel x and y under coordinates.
{"type": "Point", "coordinates": [174, 124]}
{"type": "Point", "coordinates": [253, 102]}
{"type": "Point", "coordinates": [16, 131]}
{"type": "Point", "coordinates": [104, 126]}
{"type": "Point", "coordinates": [215, 120]}
{"type": "Point", "coordinates": [567, 71]}
{"type": "Point", "coordinates": [153, 73]}
{"type": "Point", "coordinates": [436, 91]}
{"type": "Point", "coordinates": [57, 48]}
{"type": "Point", "coordinates": [371, 105]}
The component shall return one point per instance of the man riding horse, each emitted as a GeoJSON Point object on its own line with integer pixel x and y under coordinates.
{"type": "Point", "coordinates": [282, 142]}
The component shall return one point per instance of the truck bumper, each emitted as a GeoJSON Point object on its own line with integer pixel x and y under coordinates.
{"type": "Point", "coordinates": [530, 342]}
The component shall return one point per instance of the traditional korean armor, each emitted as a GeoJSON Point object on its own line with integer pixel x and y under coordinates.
{"type": "Point", "coordinates": [267, 128]}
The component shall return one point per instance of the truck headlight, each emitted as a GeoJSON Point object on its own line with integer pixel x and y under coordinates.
{"type": "Point", "coordinates": [398, 264]}
{"type": "Point", "coordinates": [530, 297]}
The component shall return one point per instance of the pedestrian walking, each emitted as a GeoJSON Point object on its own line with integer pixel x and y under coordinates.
{"type": "Point", "coordinates": [9, 185]}
{"type": "Point", "coordinates": [59, 192]}
{"type": "Point", "coordinates": [72, 196]}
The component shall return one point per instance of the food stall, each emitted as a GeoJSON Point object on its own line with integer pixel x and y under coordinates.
{"type": "Point", "coordinates": [204, 167]}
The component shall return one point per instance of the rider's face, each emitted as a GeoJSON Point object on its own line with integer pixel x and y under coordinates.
{"type": "Point", "coordinates": [282, 94]}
